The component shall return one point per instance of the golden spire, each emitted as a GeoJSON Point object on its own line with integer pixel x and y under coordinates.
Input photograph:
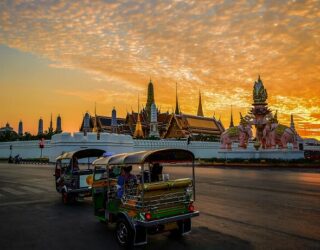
{"type": "Point", "coordinates": [95, 125]}
{"type": "Point", "coordinates": [231, 119]}
{"type": "Point", "coordinates": [138, 133]}
{"type": "Point", "coordinates": [177, 111]}
{"type": "Point", "coordinates": [200, 111]}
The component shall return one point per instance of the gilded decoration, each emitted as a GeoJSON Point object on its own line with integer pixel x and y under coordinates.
{"type": "Point", "coordinates": [260, 94]}
{"type": "Point", "coordinates": [234, 131]}
{"type": "Point", "coordinates": [280, 129]}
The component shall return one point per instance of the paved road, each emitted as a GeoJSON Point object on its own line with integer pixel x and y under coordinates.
{"type": "Point", "coordinates": [240, 209]}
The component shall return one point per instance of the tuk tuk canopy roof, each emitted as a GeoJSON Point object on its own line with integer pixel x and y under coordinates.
{"type": "Point", "coordinates": [85, 153]}
{"type": "Point", "coordinates": [151, 156]}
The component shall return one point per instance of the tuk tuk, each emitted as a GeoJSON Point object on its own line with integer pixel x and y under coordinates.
{"type": "Point", "coordinates": [148, 202]}
{"type": "Point", "coordinates": [73, 174]}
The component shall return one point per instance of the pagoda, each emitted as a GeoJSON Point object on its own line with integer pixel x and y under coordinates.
{"type": "Point", "coordinates": [138, 132]}
{"type": "Point", "coordinates": [150, 99]}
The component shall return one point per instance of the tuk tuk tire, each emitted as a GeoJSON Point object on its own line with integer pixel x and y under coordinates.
{"type": "Point", "coordinates": [124, 233]}
{"type": "Point", "coordinates": [178, 233]}
{"type": "Point", "coordinates": [66, 199]}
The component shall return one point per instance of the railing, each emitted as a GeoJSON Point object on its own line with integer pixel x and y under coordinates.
{"type": "Point", "coordinates": [135, 198]}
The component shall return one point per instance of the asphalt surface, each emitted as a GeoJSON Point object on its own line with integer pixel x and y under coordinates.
{"type": "Point", "coordinates": [240, 209]}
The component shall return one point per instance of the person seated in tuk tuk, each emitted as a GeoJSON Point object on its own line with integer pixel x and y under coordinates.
{"type": "Point", "coordinates": [156, 172]}
{"type": "Point", "coordinates": [124, 178]}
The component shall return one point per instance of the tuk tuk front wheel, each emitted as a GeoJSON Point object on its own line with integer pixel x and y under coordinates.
{"type": "Point", "coordinates": [124, 233]}
{"type": "Point", "coordinates": [67, 198]}
{"type": "Point", "coordinates": [64, 198]}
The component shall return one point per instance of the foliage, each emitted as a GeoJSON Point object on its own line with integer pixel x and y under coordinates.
{"type": "Point", "coordinates": [8, 136]}
{"type": "Point", "coordinates": [13, 136]}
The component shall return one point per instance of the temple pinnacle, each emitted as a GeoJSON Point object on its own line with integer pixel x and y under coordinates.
{"type": "Point", "coordinates": [200, 111]}
{"type": "Point", "coordinates": [231, 119]}
{"type": "Point", "coordinates": [177, 111]}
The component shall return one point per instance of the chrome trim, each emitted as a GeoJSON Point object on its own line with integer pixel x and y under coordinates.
{"type": "Point", "coordinates": [166, 220]}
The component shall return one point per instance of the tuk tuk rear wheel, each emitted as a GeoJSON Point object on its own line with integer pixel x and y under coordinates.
{"type": "Point", "coordinates": [66, 198]}
{"type": "Point", "coordinates": [183, 227]}
{"type": "Point", "coordinates": [124, 233]}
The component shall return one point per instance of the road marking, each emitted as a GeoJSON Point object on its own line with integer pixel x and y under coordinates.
{"type": "Point", "coordinates": [32, 189]}
{"type": "Point", "coordinates": [12, 191]}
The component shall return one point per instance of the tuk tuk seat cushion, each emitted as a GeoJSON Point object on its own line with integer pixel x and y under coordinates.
{"type": "Point", "coordinates": [166, 185]}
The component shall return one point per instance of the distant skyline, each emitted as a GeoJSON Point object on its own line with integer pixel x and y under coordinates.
{"type": "Point", "coordinates": [61, 57]}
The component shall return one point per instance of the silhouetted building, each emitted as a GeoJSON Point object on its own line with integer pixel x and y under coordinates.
{"type": "Point", "coordinates": [50, 129]}
{"type": "Point", "coordinates": [40, 127]}
{"type": "Point", "coordinates": [20, 128]}
{"type": "Point", "coordinates": [7, 128]}
{"type": "Point", "coordinates": [59, 125]}
{"type": "Point", "coordinates": [114, 123]}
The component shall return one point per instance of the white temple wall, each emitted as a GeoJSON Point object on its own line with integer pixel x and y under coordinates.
{"type": "Point", "coordinates": [26, 149]}
{"type": "Point", "coordinates": [198, 148]}
{"type": "Point", "coordinates": [115, 143]}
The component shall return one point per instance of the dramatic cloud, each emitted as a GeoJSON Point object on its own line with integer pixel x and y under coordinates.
{"type": "Point", "coordinates": [218, 47]}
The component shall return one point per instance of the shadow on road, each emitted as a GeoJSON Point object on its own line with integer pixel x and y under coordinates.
{"type": "Point", "coordinates": [52, 225]}
{"type": "Point", "coordinates": [199, 238]}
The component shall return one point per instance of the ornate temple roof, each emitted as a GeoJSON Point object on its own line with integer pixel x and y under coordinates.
{"type": "Point", "coordinates": [103, 123]}
{"type": "Point", "coordinates": [183, 125]}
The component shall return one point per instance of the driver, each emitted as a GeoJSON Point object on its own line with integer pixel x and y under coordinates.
{"type": "Point", "coordinates": [75, 163]}
{"type": "Point", "coordinates": [124, 178]}
{"type": "Point", "coordinates": [156, 172]}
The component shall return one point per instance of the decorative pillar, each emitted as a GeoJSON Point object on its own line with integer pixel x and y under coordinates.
{"type": "Point", "coordinates": [114, 123]}
{"type": "Point", "coordinates": [154, 132]}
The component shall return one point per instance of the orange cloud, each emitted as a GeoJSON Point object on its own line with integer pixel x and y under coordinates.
{"type": "Point", "coordinates": [218, 47]}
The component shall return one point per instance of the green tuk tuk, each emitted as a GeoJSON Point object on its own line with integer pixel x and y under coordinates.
{"type": "Point", "coordinates": [148, 203]}
{"type": "Point", "coordinates": [73, 175]}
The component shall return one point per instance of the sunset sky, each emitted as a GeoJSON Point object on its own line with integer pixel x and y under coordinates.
{"type": "Point", "coordinates": [61, 57]}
